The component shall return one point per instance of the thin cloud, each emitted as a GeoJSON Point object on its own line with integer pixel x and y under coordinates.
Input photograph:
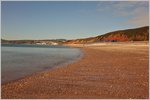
{"type": "Point", "coordinates": [140, 20]}
{"type": "Point", "coordinates": [137, 11]}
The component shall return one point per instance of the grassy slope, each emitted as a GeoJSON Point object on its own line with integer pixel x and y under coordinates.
{"type": "Point", "coordinates": [137, 34]}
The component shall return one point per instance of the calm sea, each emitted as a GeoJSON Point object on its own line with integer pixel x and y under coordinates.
{"type": "Point", "coordinates": [20, 60]}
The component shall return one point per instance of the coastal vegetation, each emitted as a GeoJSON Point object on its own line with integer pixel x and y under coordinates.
{"type": "Point", "coordinates": [41, 42]}
{"type": "Point", "coordinates": [137, 34]}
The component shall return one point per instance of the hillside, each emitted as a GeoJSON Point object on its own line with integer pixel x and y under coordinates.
{"type": "Point", "coordinates": [45, 42]}
{"type": "Point", "coordinates": [137, 34]}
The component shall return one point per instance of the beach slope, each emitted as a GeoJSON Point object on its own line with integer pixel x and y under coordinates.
{"type": "Point", "coordinates": [105, 71]}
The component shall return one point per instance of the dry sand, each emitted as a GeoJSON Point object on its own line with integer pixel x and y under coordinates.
{"type": "Point", "coordinates": [105, 71]}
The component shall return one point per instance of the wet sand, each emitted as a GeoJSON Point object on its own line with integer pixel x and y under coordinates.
{"type": "Point", "coordinates": [104, 72]}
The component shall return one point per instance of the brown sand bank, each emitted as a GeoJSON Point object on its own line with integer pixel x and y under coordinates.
{"type": "Point", "coordinates": [105, 71]}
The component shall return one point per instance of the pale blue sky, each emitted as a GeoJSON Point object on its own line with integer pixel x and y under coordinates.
{"type": "Point", "coordinates": [69, 20]}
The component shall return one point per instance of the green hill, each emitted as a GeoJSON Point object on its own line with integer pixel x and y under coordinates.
{"type": "Point", "coordinates": [137, 34]}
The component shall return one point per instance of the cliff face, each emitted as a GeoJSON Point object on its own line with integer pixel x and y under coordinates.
{"type": "Point", "coordinates": [137, 34]}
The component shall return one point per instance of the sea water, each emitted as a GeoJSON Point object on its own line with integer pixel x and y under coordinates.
{"type": "Point", "coordinates": [20, 60]}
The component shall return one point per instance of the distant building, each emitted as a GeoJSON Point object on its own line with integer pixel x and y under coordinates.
{"type": "Point", "coordinates": [43, 43]}
{"type": "Point", "coordinates": [54, 43]}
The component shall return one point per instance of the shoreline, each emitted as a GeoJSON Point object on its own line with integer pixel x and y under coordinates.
{"type": "Point", "coordinates": [49, 69]}
{"type": "Point", "coordinates": [103, 72]}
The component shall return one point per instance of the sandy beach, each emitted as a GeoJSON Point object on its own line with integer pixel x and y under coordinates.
{"type": "Point", "coordinates": [104, 72]}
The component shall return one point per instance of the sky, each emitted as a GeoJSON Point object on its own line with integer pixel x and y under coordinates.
{"type": "Point", "coordinates": [69, 19]}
